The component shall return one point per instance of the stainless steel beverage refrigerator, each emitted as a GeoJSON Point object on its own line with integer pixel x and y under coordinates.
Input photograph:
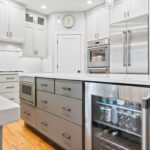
{"type": "Point", "coordinates": [117, 117]}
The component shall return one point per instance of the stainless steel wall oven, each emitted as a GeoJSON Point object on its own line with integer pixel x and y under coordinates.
{"type": "Point", "coordinates": [98, 55]}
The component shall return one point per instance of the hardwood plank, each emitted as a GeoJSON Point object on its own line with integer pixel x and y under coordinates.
{"type": "Point", "coordinates": [17, 136]}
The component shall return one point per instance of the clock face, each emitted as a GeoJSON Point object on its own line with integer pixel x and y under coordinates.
{"type": "Point", "coordinates": [68, 21]}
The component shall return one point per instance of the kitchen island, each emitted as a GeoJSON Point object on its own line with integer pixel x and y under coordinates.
{"type": "Point", "coordinates": [9, 112]}
{"type": "Point", "coordinates": [63, 113]}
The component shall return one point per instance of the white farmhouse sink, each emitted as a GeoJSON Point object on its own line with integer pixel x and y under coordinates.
{"type": "Point", "coordinates": [9, 111]}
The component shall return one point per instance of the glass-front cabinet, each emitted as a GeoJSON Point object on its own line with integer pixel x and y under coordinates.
{"type": "Point", "coordinates": [36, 19]}
{"type": "Point", "coordinates": [116, 124]}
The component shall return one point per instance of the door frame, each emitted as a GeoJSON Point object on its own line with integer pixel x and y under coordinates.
{"type": "Point", "coordinates": [82, 46]}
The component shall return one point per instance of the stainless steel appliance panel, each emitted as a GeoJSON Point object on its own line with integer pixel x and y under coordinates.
{"type": "Point", "coordinates": [95, 89]}
{"type": "Point", "coordinates": [27, 89]}
{"type": "Point", "coordinates": [137, 45]}
{"type": "Point", "coordinates": [118, 51]}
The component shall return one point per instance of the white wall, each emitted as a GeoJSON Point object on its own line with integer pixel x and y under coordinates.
{"type": "Point", "coordinates": [54, 28]}
{"type": "Point", "coordinates": [12, 60]}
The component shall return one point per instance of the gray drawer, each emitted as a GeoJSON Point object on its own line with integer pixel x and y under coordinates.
{"type": "Point", "coordinates": [65, 107]}
{"type": "Point", "coordinates": [46, 85]}
{"type": "Point", "coordinates": [64, 133]}
{"type": "Point", "coordinates": [43, 125]}
{"type": "Point", "coordinates": [69, 88]}
{"type": "Point", "coordinates": [28, 114]}
{"type": "Point", "coordinates": [9, 78]}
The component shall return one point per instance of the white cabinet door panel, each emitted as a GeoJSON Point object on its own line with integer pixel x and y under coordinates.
{"type": "Point", "coordinates": [104, 23]}
{"type": "Point", "coordinates": [41, 42]}
{"type": "Point", "coordinates": [17, 19]}
{"type": "Point", "coordinates": [3, 19]}
{"type": "Point", "coordinates": [137, 7]}
{"type": "Point", "coordinates": [117, 11]}
{"type": "Point", "coordinates": [29, 41]}
{"type": "Point", "coordinates": [92, 25]}
{"type": "Point", "coordinates": [69, 53]}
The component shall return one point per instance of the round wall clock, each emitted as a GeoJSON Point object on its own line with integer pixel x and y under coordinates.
{"type": "Point", "coordinates": [68, 21]}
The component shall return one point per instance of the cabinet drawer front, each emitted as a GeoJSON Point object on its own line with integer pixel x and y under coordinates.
{"type": "Point", "coordinates": [43, 125]}
{"type": "Point", "coordinates": [65, 107]}
{"type": "Point", "coordinates": [14, 96]}
{"type": "Point", "coordinates": [9, 87]}
{"type": "Point", "coordinates": [64, 133]}
{"type": "Point", "coordinates": [9, 78]}
{"type": "Point", "coordinates": [69, 88]}
{"type": "Point", "coordinates": [28, 114]}
{"type": "Point", "coordinates": [46, 85]}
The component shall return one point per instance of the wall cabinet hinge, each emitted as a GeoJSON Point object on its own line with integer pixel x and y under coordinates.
{"type": "Point", "coordinates": [57, 66]}
{"type": "Point", "coordinates": [57, 41]}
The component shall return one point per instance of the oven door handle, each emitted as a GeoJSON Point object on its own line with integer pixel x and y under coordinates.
{"type": "Point", "coordinates": [97, 48]}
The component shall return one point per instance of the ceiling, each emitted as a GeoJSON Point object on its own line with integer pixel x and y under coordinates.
{"type": "Point", "coordinates": [59, 5]}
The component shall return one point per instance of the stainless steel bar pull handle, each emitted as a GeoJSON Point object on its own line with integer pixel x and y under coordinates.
{"type": "Point", "coordinates": [124, 48]}
{"type": "Point", "coordinates": [65, 88]}
{"type": "Point", "coordinates": [145, 123]}
{"type": "Point", "coordinates": [65, 135]}
{"type": "Point", "coordinates": [66, 109]}
{"type": "Point", "coordinates": [129, 47]}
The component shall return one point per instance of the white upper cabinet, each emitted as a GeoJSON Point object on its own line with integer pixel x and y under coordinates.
{"type": "Point", "coordinates": [126, 9]}
{"type": "Point", "coordinates": [41, 42]}
{"type": "Point", "coordinates": [137, 7]}
{"type": "Point", "coordinates": [92, 25]}
{"type": "Point", "coordinates": [12, 22]}
{"type": "Point", "coordinates": [104, 23]}
{"type": "Point", "coordinates": [98, 24]}
{"type": "Point", "coordinates": [17, 19]}
{"type": "Point", "coordinates": [3, 20]}
{"type": "Point", "coordinates": [118, 11]}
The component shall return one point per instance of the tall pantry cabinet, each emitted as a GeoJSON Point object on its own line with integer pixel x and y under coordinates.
{"type": "Point", "coordinates": [35, 36]}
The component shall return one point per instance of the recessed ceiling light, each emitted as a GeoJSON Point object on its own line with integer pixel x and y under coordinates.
{"type": "Point", "coordinates": [89, 2]}
{"type": "Point", "coordinates": [43, 6]}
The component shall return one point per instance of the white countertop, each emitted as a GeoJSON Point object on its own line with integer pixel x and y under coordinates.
{"type": "Point", "coordinates": [9, 111]}
{"type": "Point", "coordinates": [106, 78]}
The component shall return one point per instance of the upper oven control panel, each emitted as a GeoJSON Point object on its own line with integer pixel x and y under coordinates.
{"type": "Point", "coordinates": [27, 79]}
{"type": "Point", "coordinates": [98, 42]}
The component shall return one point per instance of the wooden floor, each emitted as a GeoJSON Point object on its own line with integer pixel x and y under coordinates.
{"type": "Point", "coordinates": [18, 137]}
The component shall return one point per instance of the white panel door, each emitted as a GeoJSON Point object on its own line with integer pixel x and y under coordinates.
{"type": "Point", "coordinates": [69, 53]}
{"type": "Point", "coordinates": [104, 23]}
{"type": "Point", "coordinates": [137, 8]}
{"type": "Point", "coordinates": [117, 12]}
{"type": "Point", "coordinates": [29, 41]}
{"type": "Point", "coordinates": [92, 25]}
{"type": "Point", "coordinates": [17, 20]}
{"type": "Point", "coordinates": [3, 19]}
{"type": "Point", "coordinates": [41, 42]}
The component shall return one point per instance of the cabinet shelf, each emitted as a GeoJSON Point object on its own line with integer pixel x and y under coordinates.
{"type": "Point", "coordinates": [117, 141]}
{"type": "Point", "coordinates": [120, 107]}
{"type": "Point", "coordinates": [118, 128]}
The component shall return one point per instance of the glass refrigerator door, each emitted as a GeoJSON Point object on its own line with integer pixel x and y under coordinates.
{"type": "Point", "coordinates": [116, 124]}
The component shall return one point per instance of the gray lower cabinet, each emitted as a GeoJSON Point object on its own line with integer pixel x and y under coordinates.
{"type": "Point", "coordinates": [65, 107]}
{"type": "Point", "coordinates": [69, 88]}
{"type": "Point", "coordinates": [65, 133]}
{"type": "Point", "coordinates": [29, 114]}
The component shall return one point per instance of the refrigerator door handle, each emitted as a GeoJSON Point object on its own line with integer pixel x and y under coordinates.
{"type": "Point", "coordinates": [129, 46]}
{"type": "Point", "coordinates": [124, 48]}
{"type": "Point", "coordinates": [145, 123]}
